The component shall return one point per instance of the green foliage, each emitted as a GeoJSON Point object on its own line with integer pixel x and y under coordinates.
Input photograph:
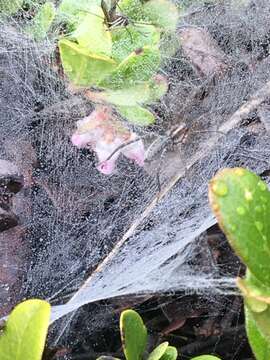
{"type": "Point", "coordinates": [96, 53]}
{"type": "Point", "coordinates": [126, 39]}
{"type": "Point", "coordinates": [24, 335]}
{"type": "Point", "coordinates": [133, 334]}
{"type": "Point", "coordinates": [42, 21]}
{"type": "Point", "coordinates": [10, 7]}
{"type": "Point", "coordinates": [134, 341]}
{"type": "Point", "coordinates": [25, 331]}
{"type": "Point", "coordinates": [170, 353]}
{"type": "Point", "coordinates": [121, 60]}
{"type": "Point", "coordinates": [132, 9]}
{"type": "Point", "coordinates": [139, 66]}
{"type": "Point", "coordinates": [143, 93]}
{"type": "Point", "coordinates": [92, 35]}
{"type": "Point", "coordinates": [161, 13]}
{"type": "Point", "coordinates": [159, 351]}
{"type": "Point", "coordinates": [83, 67]}
{"type": "Point", "coordinates": [136, 115]}
{"type": "Point", "coordinates": [241, 202]}
{"type": "Point", "coordinates": [258, 342]}
{"type": "Point", "coordinates": [163, 352]}
{"type": "Point", "coordinates": [72, 11]}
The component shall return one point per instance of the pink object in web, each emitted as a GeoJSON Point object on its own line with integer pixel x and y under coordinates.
{"type": "Point", "coordinates": [105, 135]}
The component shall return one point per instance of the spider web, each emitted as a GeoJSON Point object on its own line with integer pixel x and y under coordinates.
{"type": "Point", "coordinates": [91, 237]}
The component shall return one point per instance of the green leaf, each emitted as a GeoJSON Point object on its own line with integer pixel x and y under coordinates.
{"type": "Point", "coordinates": [42, 21]}
{"type": "Point", "coordinates": [137, 94]}
{"type": "Point", "coordinates": [241, 202]}
{"type": "Point", "coordinates": [143, 93]}
{"type": "Point", "coordinates": [256, 294]}
{"type": "Point", "coordinates": [139, 66]}
{"type": "Point", "coordinates": [170, 353]}
{"type": "Point", "coordinates": [256, 306]}
{"type": "Point", "coordinates": [133, 9]}
{"type": "Point", "coordinates": [161, 13]}
{"type": "Point", "coordinates": [136, 115]}
{"type": "Point", "coordinates": [10, 7]}
{"type": "Point", "coordinates": [262, 321]}
{"type": "Point", "coordinates": [133, 334]}
{"type": "Point", "coordinates": [253, 290]}
{"type": "Point", "coordinates": [258, 342]}
{"type": "Point", "coordinates": [206, 357]}
{"type": "Point", "coordinates": [157, 353]}
{"type": "Point", "coordinates": [158, 87]}
{"type": "Point", "coordinates": [83, 67]}
{"type": "Point", "coordinates": [128, 39]}
{"type": "Point", "coordinates": [25, 331]}
{"type": "Point", "coordinates": [92, 33]}
{"type": "Point", "coordinates": [72, 11]}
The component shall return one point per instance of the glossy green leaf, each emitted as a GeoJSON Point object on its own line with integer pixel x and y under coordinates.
{"type": "Point", "coordinates": [206, 357]}
{"type": "Point", "coordinates": [133, 334]}
{"type": "Point", "coordinates": [256, 294]}
{"type": "Point", "coordinates": [256, 306]}
{"type": "Point", "coordinates": [241, 203]}
{"type": "Point", "coordinates": [83, 67]}
{"type": "Point", "coordinates": [136, 115]}
{"type": "Point", "coordinates": [128, 39]}
{"type": "Point", "coordinates": [157, 353]}
{"type": "Point", "coordinates": [142, 93]}
{"type": "Point", "coordinates": [170, 353]}
{"type": "Point", "coordinates": [262, 321]}
{"type": "Point", "coordinates": [139, 66]}
{"type": "Point", "coordinates": [25, 331]}
{"type": "Point", "coordinates": [9, 7]}
{"type": "Point", "coordinates": [92, 34]}
{"type": "Point", "coordinates": [258, 342]}
{"type": "Point", "coordinates": [42, 21]}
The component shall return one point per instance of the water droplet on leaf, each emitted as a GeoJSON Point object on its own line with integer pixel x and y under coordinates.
{"type": "Point", "coordinates": [220, 188]}
{"type": "Point", "coordinates": [259, 225]}
{"type": "Point", "coordinates": [232, 227]}
{"type": "Point", "coordinates": [241, 210]}
{"type": "Point", "coordinates": [248, 195]}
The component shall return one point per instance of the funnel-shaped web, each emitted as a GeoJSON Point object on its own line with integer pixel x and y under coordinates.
{"type": "Point", "coordinates": [88, 236]}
